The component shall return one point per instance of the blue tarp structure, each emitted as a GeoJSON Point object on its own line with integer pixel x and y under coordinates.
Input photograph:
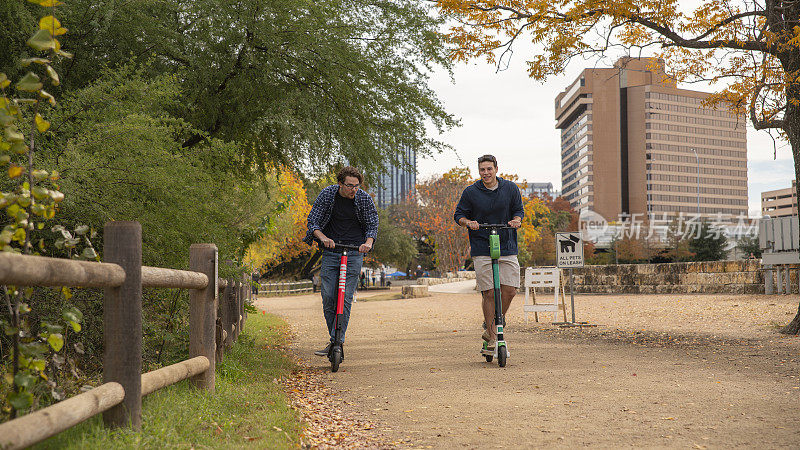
{"type": "Point", "coordinates": [396, 274]}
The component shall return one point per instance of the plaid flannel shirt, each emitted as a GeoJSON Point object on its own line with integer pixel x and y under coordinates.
{"type": "Point", "coordinates": [322, 211]}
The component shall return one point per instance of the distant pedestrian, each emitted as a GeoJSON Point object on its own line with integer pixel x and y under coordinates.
{"type": "Point", "coordinates": [315, 281]}
{"type": "Point", "coordinates": [256, 277]}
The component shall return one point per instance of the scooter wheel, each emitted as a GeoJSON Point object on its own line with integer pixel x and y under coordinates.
{"type": "Point", "coordinates": [336, 359]}
{"type": "Point", "coordinates": [489, 358]}
{"type": "Point", "coordinates": [501, 356]}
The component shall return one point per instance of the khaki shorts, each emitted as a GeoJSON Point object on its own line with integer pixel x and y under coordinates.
{"type": "Point", "coordinates": [509, 272]}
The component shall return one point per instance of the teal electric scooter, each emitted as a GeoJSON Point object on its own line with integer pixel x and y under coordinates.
{"type": "Point", "coordinates": [500, 350]}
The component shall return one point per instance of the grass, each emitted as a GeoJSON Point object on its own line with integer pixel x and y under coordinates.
{"type": "Point", "coordinates": [247, 410]}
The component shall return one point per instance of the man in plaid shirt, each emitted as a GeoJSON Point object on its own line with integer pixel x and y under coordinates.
{"type": "Point", "coordinates": [343, 214]}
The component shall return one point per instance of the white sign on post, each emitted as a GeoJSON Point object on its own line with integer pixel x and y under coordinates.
{"type": "Point", "coordinates": [569, 250]}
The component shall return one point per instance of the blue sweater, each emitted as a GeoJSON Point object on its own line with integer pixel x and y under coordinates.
{"type": "Point", "coordinates": [491, 206]}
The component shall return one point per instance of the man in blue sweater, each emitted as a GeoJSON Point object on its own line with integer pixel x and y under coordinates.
{"type": "Point", "coordinates": [492, 200]}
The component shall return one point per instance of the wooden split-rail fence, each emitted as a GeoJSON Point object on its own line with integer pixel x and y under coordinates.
{"type": "Point", "coordinates": [284, 287]}
{"type": "Point", "coordinates": [216, 317]}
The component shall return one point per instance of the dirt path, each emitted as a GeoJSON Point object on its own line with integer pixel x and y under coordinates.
{"type": "Point", "coordinates": [670, 370]}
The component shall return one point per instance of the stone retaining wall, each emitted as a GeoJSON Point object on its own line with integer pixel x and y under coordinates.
{"type": "Point", "coordinates": [710, 277]}
{"type": "Point", "coordinates": [733, 277]}
{"type": "Point", "coordinates": [449, 278]}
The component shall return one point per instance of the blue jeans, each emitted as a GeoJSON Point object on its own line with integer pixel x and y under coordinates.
{"type": "Point", "coordinates": [329, 277]}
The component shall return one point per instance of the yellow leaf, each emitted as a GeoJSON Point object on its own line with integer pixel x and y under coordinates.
{"type": "Point", "coordinates": [49, 97]}
{"type": "Point", "coordinates": [54, 80]}
{"type": "Point", "coordinates": [28, 61]}
{"type": "Point", "coordinates": [15, 171]}
{"type": "Point", "coordinates": [49, 23]}
{"type": "Point", "coordinates": [41, 124]}
{"type": "Point", "coordinates": [47, 3]}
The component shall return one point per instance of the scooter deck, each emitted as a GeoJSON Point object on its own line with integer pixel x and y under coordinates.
{"type": "Point", "coordinates": [493, 352]}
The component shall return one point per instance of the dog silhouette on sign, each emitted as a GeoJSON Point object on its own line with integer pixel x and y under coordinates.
{"type": "Point", "coordinates": [568, 246]}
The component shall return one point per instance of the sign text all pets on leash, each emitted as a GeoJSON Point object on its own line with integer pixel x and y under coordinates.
{"type": "Point", "coordinates": [569, 250]}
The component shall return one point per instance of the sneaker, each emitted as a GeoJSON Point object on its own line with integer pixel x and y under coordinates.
{"type": "Point", "coordinates": [323, 352]}
{"type": "Point", "coordinates": [486, 336]}
{"type": "Point", "coordinates": [490, 345]}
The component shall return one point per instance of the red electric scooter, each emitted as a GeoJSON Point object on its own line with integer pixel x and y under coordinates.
{"type": "Point", "coordinates": [336, 352]}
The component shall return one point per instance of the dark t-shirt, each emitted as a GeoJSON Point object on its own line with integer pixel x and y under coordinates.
{"type": "Point", "coordinates": [344, 227]}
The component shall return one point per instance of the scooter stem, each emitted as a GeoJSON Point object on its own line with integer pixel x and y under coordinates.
{"type": "Point", "coordinates": [494, 251]}
{"type": "Point", "coordinates": [340, 296]}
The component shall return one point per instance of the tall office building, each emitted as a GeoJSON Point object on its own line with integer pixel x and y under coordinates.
{"type": "Point", "coordinates": [394, 185]}
{"type": "Point", "coordinates": [780, 202]}
{"type": "Point", "coordinates": [633, 143]}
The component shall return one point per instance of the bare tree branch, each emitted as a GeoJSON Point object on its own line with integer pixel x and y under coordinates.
{"type": "Point", "coordinates": [759, 124]}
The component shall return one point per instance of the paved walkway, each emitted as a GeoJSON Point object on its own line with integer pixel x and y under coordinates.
{"type": "Point", "coordinates": [660, 371]}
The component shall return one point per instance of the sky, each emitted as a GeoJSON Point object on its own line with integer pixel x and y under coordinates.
{"type": "Point", "coordinates": [512, 117]}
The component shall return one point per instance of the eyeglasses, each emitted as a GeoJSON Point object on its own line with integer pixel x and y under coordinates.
{"type": "Point", "coordinates": [351, 186]}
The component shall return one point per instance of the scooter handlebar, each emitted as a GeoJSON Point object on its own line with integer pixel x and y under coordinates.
{"type": "Point", "coordinates": [494, 225]}
{"type": "Point", "coordinates": [345, 247]}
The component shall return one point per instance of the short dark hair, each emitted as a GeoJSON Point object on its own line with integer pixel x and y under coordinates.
{"type": "Point", "coordinates": [488, 158]}
{"type": "Point", "coordinates": [349, 171]}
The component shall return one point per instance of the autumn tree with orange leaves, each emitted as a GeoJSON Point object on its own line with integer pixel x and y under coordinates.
{"type": "Point", "coordinates": [286, 226]}
{"type": "Point", "coordinates": [533, 230]}
{"type": "Point", "coordinates": [750, 48]}
{"type": "Point", "coordinates": [429, 216]}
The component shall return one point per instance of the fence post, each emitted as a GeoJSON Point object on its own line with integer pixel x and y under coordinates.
{"type": "Point", "coordinates": [221, 337]}
{"type": "Point", "coordinates": [224, 307]}
{"type": "Point", "coordinates": [235, 307]}
{"type": "Point", "coordinates": [232, 327]}
{"type": "Point", "coordinates": [240, 304]}
{"type": "Point", "coordinates": [122, 322]}
{"type": "Point", "coordinates": [219, 341]}
{"type": "Point", "coordinates": [246, 290]}
{"type": "Point", "coordinates": [768, 279]}
{"type": "Point", "coordinates": [203, 313]}
{"type": "Point", "coordinates": [239, 307]}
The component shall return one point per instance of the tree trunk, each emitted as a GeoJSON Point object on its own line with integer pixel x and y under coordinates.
{"type": "Point", "coordinates": [792, 128]}
{"type": "Point", "coordinates": [794, 325]}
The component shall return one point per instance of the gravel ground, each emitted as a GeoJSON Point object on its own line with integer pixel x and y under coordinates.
{"type": "Point", "coordinates": [697, 371]}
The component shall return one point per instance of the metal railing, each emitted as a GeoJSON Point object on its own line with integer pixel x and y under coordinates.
{"type": "Point", "coordinates": [122, 277]}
